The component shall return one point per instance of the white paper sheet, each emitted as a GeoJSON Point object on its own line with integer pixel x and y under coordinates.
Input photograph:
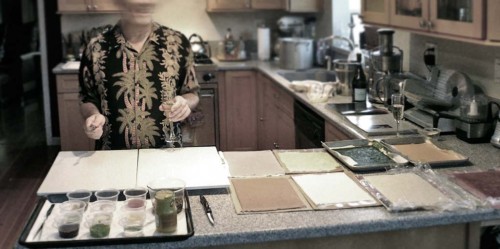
{"type": "Point", "coordinates": [200, 168]}
{"type": "Point", "coordinates": [92, 170]}
{"type": "Point", "coordinates": [332, 189]}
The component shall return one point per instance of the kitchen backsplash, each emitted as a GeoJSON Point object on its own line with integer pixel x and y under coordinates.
{"type": "Point", "coordinates": [477, 61]}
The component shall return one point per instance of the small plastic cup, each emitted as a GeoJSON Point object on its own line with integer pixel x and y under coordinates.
{"type": "Point", "coordinates": [107, 195]}
{"type": "Point", "coordinates": [99, 224]}
{"type": "Point", "coordinates": [135, 193]}
{"type": "Point", "coordinates": [134, 204]}
{"type": "Point", "coordinates": [72, 206]}
{"type": "Point", "coordinates": [102, 206]}
{"type": "Point", "coordinates": [132, 222]}
{"type": "Point", "coordinates": [68, 224]}
{"type": "Point", "coordinates": [175, 185]}
{"type": "Point", "coordinates": [81, 195]}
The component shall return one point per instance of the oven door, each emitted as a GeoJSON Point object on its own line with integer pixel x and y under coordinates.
{"type": "Point", "coordinates": [202, 127]}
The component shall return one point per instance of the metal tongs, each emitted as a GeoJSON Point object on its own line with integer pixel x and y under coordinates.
{"type": "Point", "coordinates": [39, 231]}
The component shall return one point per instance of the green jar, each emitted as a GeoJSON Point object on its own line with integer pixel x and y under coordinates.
{"type": "Point", "coordinates": [165, 211]}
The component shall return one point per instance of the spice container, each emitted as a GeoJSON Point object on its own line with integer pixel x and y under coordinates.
{"type": "Point", "coordinates": [165, 211]}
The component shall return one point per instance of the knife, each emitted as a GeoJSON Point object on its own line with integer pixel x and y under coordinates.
{"type": "Point", "coordinates": [38, 232]}
{"type": "Point", "coordinates": [207, 209]}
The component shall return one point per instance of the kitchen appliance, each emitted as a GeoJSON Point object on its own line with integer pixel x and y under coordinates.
{"type": "Point", "coordinates": [309, 127]}
{"type": "Point", "coordinates": [202, 127]}
{"type": "Point", "coordinates": [345, 71]}
{"type": "Point", "coordinates": [199, 47]}
{"type": "Point", "coordinates": [386, 64]}
{"type": "Point", "coordinates": [291, 26]}
{"type": "Point", "coordinates": [495, 140]}
{"type": "Point", "coordinates": [296, 53]}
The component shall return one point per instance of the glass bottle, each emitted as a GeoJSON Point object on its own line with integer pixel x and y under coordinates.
{"type": "Point", "coordinates": [359, 83]}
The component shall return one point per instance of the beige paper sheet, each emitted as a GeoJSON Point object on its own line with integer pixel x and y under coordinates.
{"type": "Point", "coordinates": [253, 163]}
{"type": "Point", "coordinates": [313, 161]}
{"type": "Point", "coordinates": [427, 152]}
{"type": "Point", "coordinates": [266, 194]}
{"type": "Point", "coordinates": [407, 189]}
{"type": "Point", "coordinates": [333, 189]}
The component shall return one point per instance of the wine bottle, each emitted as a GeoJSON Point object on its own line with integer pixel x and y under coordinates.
{"type": "Point", "coordinates": [359, 83]}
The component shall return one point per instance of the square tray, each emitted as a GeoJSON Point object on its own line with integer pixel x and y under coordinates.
{"type": "Point", "coordinates": [43, 204]}
{"type": "Point", "coordinates": [391, 142]}
{"type": "Point", "coordinates": [333, 148]}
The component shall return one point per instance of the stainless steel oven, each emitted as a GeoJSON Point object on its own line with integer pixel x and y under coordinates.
{"type": "Point", "coordinates": [202, 127]}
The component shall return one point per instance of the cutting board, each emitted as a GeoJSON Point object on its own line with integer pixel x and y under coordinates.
{"type": "Point", "coordinates": [91, 170]}
{"type": "Point", "coordinates": [199, 167]}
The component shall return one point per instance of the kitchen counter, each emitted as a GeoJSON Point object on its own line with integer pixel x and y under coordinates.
{"type": "Point", "coordinates": [350, 228]}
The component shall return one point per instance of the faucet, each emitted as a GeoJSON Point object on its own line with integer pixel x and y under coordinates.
{"type": "Point", "coordinates": [322, 56]}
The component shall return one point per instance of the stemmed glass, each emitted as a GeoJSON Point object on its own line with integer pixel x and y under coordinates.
{"type": "Point", "coordinates": [172, 140]}
{"type": "Point", "coordinates": [398, 108]}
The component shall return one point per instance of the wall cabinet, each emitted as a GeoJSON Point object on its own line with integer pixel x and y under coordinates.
{"type": "Point", "coordinates": [73, 137]}
{"type": "Point", "coordinates": [276, 127]}
{"type": "Point", "coordinates": [87, 6]}
{"type": "Point", "coordinates": [238, 111]}
{"type": "Point", "coordinates": [462, 18]}
{"type": "Point", "coordinates": [249, 5]}
{"type": "Point", "coordinates": [493, 20]}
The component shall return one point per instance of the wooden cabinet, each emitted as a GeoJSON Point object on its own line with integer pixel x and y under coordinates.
{"type": "Point", "coordinates": [334, 133]}
{"type": "Point", "coordinates": [227, 5]}
{"type": "Point", "coordinates": [268, 4]}
{"type": "Point", "coordinates": [73, 137]}
{"type": "Point", "coordinates": [375, 11]}
{"type": "Point", "coordinates": [464, 18]}
{"type": "Point", "coordinates": [238, 111]}
{"type": "Point", "coordinates": [306, 6]}
{"type": "Point", "coordinates": [493, 20]}
{"type": "Point", "coordinates": [276, 125]}
{"type": "Point", "coordinates": [87, 6]}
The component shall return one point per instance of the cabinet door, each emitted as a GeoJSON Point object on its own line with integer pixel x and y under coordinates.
{"type": "Point", "coordinates": [73, 5]}
{"type": "Point", "coordinates": [375, 11]}
{"type": "Point", "coordinates": [286, 131]}
{"type": "Point", "coordinates": [493, 20]}
{"type": "Point", "coordinates": [227, 5]}
{"type": "Point", "coordinates": [304, 5]}
{"type": "Point", "coordinates": [333, 133]}
{"type": "Point", "coordinates": [239, 98]}
{"type": "Point", "coordinates": [463, 18]}
{"type": "Point", "coordinates": [73, 137]}
{"type": "Point", "coordinates": [411, 14]}
{"type": "Point", "coordinates": [268, 4]}
{"type": "Point", "coordinates": [105, 6]}
{"type": "Point", "coordinates": [267, 127]}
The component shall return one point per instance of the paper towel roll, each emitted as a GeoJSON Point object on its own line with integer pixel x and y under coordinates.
{"type": "Point", "coordinates": [264, 43]}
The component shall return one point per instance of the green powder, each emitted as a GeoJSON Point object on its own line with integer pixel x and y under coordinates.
{"type": "Point", "coordinates": [99, 230]}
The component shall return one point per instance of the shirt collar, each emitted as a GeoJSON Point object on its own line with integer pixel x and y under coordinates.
{"type": "Point", "coordinates": [120, 38]}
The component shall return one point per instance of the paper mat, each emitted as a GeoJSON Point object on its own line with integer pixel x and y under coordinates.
{"type": "Point", "coordinates": [253, 163]}
{"type": "Point", "coordinates": [308, 161]}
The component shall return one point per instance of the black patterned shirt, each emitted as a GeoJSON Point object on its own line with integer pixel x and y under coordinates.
{"type": "Point", "coordinates": [128, 86]}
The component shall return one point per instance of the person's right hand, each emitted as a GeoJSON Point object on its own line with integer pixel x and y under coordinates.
{"type": "Point", "coordinates": [94, 126]}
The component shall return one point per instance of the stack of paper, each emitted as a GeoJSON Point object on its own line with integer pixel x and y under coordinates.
{"type": "Point", "coordinates": [335, 190]}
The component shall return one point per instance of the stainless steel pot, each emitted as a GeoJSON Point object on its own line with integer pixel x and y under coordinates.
{"type": "Point", "coordinates": [345, 71]}
{"type": "Point", "coordinates": [296, 53]}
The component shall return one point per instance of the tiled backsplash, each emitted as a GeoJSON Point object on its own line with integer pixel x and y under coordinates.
{"type": "Point", "coordinates": [477, 61]}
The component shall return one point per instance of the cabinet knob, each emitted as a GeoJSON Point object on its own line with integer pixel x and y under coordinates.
{"type": "Point", "coordinates": [261, 119]}
{"type": "Point", "coordinates": [89, 7]}
{"type": "Point", "coordinates": [276, 146]}
{"type": "Point", "coordinates": [423, 23]}
{"type": "Point", "coordinates": [430, 25]}
{"type": "Point", "coordinates": [95, 7]}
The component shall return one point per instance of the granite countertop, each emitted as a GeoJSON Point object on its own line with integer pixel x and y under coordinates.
{"type": "Point", "coordinates": [233, 229]}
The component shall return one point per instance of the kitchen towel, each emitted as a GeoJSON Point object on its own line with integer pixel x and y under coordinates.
{"type": "Point", "coordinates": [269, 194]}
{"type": "Point", "coordinates": [307, 161]}
{"type": "Point", "coordinates": [334, 190]}
{"type": "Point", "coordinates": [253, 163]}
{"type": "Point", "coordinates": [264, 43]}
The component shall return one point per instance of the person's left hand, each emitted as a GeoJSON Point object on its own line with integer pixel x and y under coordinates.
{"type": "Point", "coordinates": [177, 112]}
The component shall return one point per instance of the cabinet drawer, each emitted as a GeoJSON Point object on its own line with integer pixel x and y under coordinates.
{"type": "Point", "coordinates": [67, 83]}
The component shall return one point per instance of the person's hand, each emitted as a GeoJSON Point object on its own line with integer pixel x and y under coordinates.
{"type": "Point", "coordinates": [177, 112]}
{"type": "Point", "coordinates": [94, 126]}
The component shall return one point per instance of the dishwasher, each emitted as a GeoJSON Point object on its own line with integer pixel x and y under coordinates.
{"type": "Point", "coordinates": [309, 127]}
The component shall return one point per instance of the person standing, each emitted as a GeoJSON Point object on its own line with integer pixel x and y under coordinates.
{"type": "Point", "coordinates": [137, 81]}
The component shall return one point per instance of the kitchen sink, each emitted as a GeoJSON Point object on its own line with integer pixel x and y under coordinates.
{"type": "Point", "coordinates": [311, 74]}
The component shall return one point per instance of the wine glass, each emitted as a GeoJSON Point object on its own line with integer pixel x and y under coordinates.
{"type": "Point", "coordinates": [172, 140]}
{"type": "Point", "coordinates": [398, 108]}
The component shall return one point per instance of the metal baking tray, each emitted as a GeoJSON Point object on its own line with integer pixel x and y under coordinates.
{"type": "Point", "coordinates": [390, 142]}
{"type": "Point", "coordinates": [44, 202]}
{"type": "Point", "coordinates": [393, 159]}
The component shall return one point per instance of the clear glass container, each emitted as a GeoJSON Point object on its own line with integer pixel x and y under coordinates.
{"type": "Point", "coordinates": [411, 8]}
{"type": "Point", "coordinates": [455, 10]}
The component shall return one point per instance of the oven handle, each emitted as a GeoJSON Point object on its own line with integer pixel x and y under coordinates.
{"type": "Point", "coordinates": [209, 92]}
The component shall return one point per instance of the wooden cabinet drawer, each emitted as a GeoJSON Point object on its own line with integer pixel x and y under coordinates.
{"type": "Point", "coordinates": [67, 83]}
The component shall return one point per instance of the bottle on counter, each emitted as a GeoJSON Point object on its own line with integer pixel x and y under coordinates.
{"type": "Point", "coordinates": [242, 55]}
{"type": "Point", "coordinates": [230, 46]}
{"type": "Point", "coordinates": [359, 84]}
